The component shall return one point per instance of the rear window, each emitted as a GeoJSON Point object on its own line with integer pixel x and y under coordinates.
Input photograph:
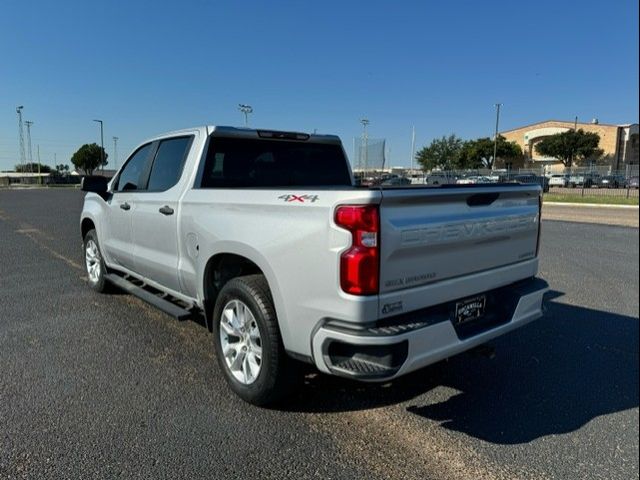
{"type": "Point", "coordinates": [241, 162]}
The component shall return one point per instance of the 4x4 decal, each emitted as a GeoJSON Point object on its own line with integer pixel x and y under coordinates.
{"type": "Point", "coordinates": [298, 198]}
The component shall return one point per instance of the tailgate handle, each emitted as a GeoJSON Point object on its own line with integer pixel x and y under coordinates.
{"type": "Point", "coordinates": [482, 199]}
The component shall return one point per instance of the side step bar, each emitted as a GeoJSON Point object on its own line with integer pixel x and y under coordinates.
{"type": "Point", "coordinates": [162, 304]}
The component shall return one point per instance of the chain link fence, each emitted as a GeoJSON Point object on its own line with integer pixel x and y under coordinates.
{"type": "Point", "coordinates": [592, 182]}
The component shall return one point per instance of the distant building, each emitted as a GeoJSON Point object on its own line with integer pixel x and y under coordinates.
{"type": "Point", "coordinates": [22, 178]}
{"type": "Point", "coordinates": [619, 142]}
{"type": "Point", "coordinates": [97, 172]}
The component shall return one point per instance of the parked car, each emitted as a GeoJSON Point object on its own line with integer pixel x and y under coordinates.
{"type": "Point", "coordinates": [612, 181]}
{"type": "Point", "coordinates": [264, 235]}
{"type": "Point", "coordinates": [441, 178]}
{"type": "Point", "coordinates": [531, 178]}
{"type": "Point", "coordinates": [396, 181]}
{"type": "Point", "coordinates": [468, 180]}
{"type": "Point", "coordinates": [474, 179]}
{"type": "Point", "coordinates": [632, 182]}
{"type": "Point", "coordinates": [587, 180]}
{"type": "Point", "coordinates": [559, 180]}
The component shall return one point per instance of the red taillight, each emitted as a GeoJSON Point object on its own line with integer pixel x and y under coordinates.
{"type": "Point", "coordinates": [360, 264]}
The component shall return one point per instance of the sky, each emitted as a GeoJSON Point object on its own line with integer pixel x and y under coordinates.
{"type": "Point", "coordinates": [149, 67]}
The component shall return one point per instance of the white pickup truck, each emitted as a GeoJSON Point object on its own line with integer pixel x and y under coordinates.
{"type": "Point", "coordinates": [266, 235]}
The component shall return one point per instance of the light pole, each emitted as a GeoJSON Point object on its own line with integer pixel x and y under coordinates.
{"type": "Point", "coordinates": [246, 109]}
{"type": "Point", "coordinates": [413, 146]}
{"type": "Point", "coordinates": [575, 129]}
{"type": "Point", "coordinates": [365, 141]}
{"type": "Point", "coordinates": [495, 139]}
{"type": "Point", "coordinates": [115, 153]}
{"type": "Point", "coordinates": [21, 134]}
{"type": "Point", "coordinates": [101, 143]}
{"type": "Point", "coordinates": [28, 123]}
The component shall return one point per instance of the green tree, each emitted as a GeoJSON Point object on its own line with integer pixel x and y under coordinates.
{"type": "Point", "coordinates": [33, 168]}
{"type": "Point", "coordinates": [61, 170]}
{"type": "Point", "coordinates": [479, 153]}
{"type": "Point", "coordinates": [89, 157]}
{"type": "Point", "coordinates": [571, 146]}
{"type": "Point", "coordinates": [443, 153]}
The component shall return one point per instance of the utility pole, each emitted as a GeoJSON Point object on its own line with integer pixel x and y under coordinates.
{"type": "Point", "coordinates": [246, 109]}
{"type": "Point", "coordinates": [39, 177]}
{"type": "Point", "coordinates": [365, 142]}
{"type": "Point", "coordinates": [101, 143]}
{"type": "Point", "coordinates": [20, 135]}
{"type": "Point", "coordinates": [28, 123]}
{"type": "Point", "coordinates": [495, 139]}
{"type": "Point", "coordinates": [115, 153]}
{"type": "Point", "coordinates": [575, 129]}
{"type": "Point", "coordinates": [413, 146]}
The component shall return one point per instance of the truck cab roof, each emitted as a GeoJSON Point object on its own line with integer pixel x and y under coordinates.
{"type": "Point", "coordinates": [253, 133]}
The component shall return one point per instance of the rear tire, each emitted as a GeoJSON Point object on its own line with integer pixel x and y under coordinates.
{"type": "Point", "coordinates": [94, 262]}
{"type": "Point", "coordinates": [247, 342]}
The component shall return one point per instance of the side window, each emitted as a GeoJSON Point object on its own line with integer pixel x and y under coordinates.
{"type": "Point", "coordinates": [167, 166]}
{"type": "Point", "coordinates": [129, 179]}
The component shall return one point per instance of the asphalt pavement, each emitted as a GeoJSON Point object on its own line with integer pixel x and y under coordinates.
{"type": "Point", "coordinates": [105, 386]}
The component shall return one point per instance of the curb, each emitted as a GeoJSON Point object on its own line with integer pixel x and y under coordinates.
{"type": "Point", "coordinates": [590, 205]}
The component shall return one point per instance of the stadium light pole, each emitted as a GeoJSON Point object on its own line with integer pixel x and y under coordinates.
{"type": "Point", "coordinates": [101, 142]}
{"type": "Point", "coordinates": [495, 139]}
{"type": "Point", "coordinates": [246, 110]}
{"type": "Point", "coordinates": [19, 109]}
{"type": "Point", "coordinates": [365, 142]}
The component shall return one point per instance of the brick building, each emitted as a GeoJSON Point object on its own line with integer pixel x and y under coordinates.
{"type": "Point", "coordinates": [619, 142]}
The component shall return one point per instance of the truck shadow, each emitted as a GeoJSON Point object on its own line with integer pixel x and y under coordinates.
{"type": "Point", "coordinates": [551, 377]}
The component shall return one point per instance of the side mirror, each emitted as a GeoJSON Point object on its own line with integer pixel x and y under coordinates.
{"type": "Point", "coordinates": [95, 184]}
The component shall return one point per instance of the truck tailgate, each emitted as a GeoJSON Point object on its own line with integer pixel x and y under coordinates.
{"type": "Point", "coordinates": [432, 234]}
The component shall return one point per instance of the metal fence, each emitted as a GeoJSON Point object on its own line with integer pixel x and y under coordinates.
{"type": "Point", "coordinates": [579, 181]}
{"type": "Point", "coordinates": [596, 181]}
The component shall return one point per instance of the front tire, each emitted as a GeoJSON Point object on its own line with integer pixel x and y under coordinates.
{"type": "Point", "coordinates": [94, 263]}
{"type": "Point", "coordinates": [247, 342]}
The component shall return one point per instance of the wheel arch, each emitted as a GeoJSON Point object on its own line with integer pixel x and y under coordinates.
{"type": "Point", "coordinates": [86, 225]}
{"type": "Point", "coordinates": [222, 267]}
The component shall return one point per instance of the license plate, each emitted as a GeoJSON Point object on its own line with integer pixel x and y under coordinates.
{"type": "Point", "coordinates": [470, 309]}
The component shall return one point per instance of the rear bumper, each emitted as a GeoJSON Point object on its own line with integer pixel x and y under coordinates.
{"type": "Point", "coordinates": [398, 346]}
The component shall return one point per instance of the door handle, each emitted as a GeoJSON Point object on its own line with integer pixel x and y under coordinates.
{"type": "Point", "coordinates": [125, 206]}
{"type": "Point", "coordinates": [166, 210]}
